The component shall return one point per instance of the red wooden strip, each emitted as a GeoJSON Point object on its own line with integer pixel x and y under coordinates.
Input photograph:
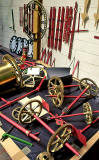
{"type": "Point", "coordinates": [57, 28]}
{"type": "Point", "coordinates": [66, 23]}
{"type": "Point", "coordinates": [50, 26]}
{"type": "Point", "coordinates": [43, 54]}
{"type": "Point", "coordinates": [61, 29]}
{"type": "Point", "coordinates": [69, 25]}
{"type": "Point", "coordinates": [53, 26]}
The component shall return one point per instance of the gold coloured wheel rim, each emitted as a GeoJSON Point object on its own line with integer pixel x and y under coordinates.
{"type": "Point", "coordinates": [15, 112]}
{"type": "Point", "coordinates": [33, 77]}
{"type": "Point", "coordinates": [61, 136]}
{"type": "Point", "coordinates": [44, 156]}
{"type": "Point", "coordinates": [56, 87]}
{"type": "Point", "coordinates": [88, 113]}
{"type": "Point", "coordinates": [93, 88]}
{"type": "Point", "coordinates": [25, 115]}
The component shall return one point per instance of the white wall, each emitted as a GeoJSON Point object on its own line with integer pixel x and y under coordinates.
{"type": "Point", "coordinates": [85, 47]}
{"type": "Point", "coordinates": [6, 20]}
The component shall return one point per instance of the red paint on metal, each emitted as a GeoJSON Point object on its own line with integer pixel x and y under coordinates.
{"type": "Point", "coordinates": [27, 94]}
{"type": "Point", "coordinates": [66, 23]}
{"type": "Point", "coordinates": [57, 28]}
{"type": "Point", "coordinates": [78, 97]}
{"type": "Point", "coordinates": [77, 65]}
{"type": "Point", "coordinates": [53, 26]}
{"type": "Point", "coordinates": [61, 29]}
{"type": "Point", "coordinates": [50, 27]}
{"type": "Point", "coordinates": [28, 133]}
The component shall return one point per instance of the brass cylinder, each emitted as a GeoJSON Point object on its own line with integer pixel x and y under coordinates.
{"type": "Point", "coordinates": [10, 71]}
{"type": "Point", "coordinates": [6, 73]}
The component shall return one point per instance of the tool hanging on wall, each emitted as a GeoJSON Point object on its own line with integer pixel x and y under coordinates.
{"type": "Point", "coordinates": [43, 55]}
{"type": "Point", "coordinates": [67, 27]}
{"type": "Point", "coordinates": [65, 23]}
{"type": "Point", "coordinates": [50, 27]}
{"type": "Point", "coordinates": [61, 29]}
{"type": "Point", "coordinates": [84, 15]}
{"type": "Point", "coordinates": [53, 26]}
{"type": "Point", "coordinates": [21, 16]}
{"type": "Point", "coordinates": [13, 23]}
{"type": "Point", "coordinates": [69, 24]}
{"type": "Point", "coordinates": [46, 57]}
{"type": "Point", "coordinates": [73, 30]}
{"type": "Point", "coordinates": [96, 16]}
{"type": "Point", "coordinates": [96, 37]}
{"type": "Point", "coordinates": [57, 28]}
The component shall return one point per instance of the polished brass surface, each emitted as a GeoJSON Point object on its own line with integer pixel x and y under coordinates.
{"type": "Point", "coordinates": [6, 72]}
{"type": "Point", "coordinates": [26, 113]}
{"type": "Point", "coordinates": [93, 88]}
{"type": "Point", "coordinates": [88, 113]}
{"type": "Point", "coordinates": [31, 79]}
{"type": "Point", "coordinates": [61, 136]}
{"type": "Point", "coordinates": [56, 87]}
{"type": "Point", "coordinates": [9, 71]}
{"type": "Point", "coordinates": [15, 112]}
{"type": "Point", "coordinates": [44, 156]}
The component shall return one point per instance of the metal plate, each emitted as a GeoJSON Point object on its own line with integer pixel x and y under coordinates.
{"type": "Point", "coordinates": [13, 44]}
{"type": "Point", "coordinates": [20, 46]}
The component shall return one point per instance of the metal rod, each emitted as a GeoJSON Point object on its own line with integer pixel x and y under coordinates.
{"type": "Point", "coordinates": [84, 129]}
{"type": "Point", "coordinates": [74, 85]}
{"type": "Point", "coordinates": [78, 97]}
{"type": "Point", "coordinates": [53, 132]}
{"type": "Point", "coordinates": [72, 115]}
{"type": "Point", "coordinates": [65, 96]}
{"type": "Point", "coordinates": [27, 94]}
{"type": "Point", "coordinates": [64, 116]}
{"type": "Point", "coordinates": [28, 133]}
{"type": "Point", "coordinates": [77, 64]}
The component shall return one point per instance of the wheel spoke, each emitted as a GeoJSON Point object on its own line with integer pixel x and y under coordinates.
{"type": "Point", "coordinates": [55, 147]}
{"type": "Point", "coordinates": [56, 141]}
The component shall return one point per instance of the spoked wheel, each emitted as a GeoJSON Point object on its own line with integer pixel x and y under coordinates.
{"type": "Point", "coordinates": [88, 113]}
{"type": "Point", "coordinates": [44, 156]}
{"type": "Point", "coordinates": [30, 79]}
{"type": "Point", "coordinates": [28, 110]}
{"type": "Point", "coordinates": [15, 112]}
{"type": "Point", "coordinates": [56, 87]}
{"type": "Point", "coordinates": [61, 136]}
{"type": "Point", "coordinates": [93, 88]}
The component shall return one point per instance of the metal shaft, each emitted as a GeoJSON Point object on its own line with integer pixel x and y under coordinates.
{"type": "Point", "coordinates": [28, 133]}
{"type": "Point", "coordinates": [78, 97]}
{"type": "Point", "coordinates": [72, 115]}
{"type": "Point", "coordinates": [53, 132]}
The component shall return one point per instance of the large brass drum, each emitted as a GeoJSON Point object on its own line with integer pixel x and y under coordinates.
{"type": "Point", "coordinates": [10, 71]}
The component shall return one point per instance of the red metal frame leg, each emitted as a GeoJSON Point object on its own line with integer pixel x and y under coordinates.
{"type": "Point", "coordinates": [28, 133]}
{"type": "Point", "coordinates": [71, 105]}
{"type": "Point", "coordinates": [53, 132]}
